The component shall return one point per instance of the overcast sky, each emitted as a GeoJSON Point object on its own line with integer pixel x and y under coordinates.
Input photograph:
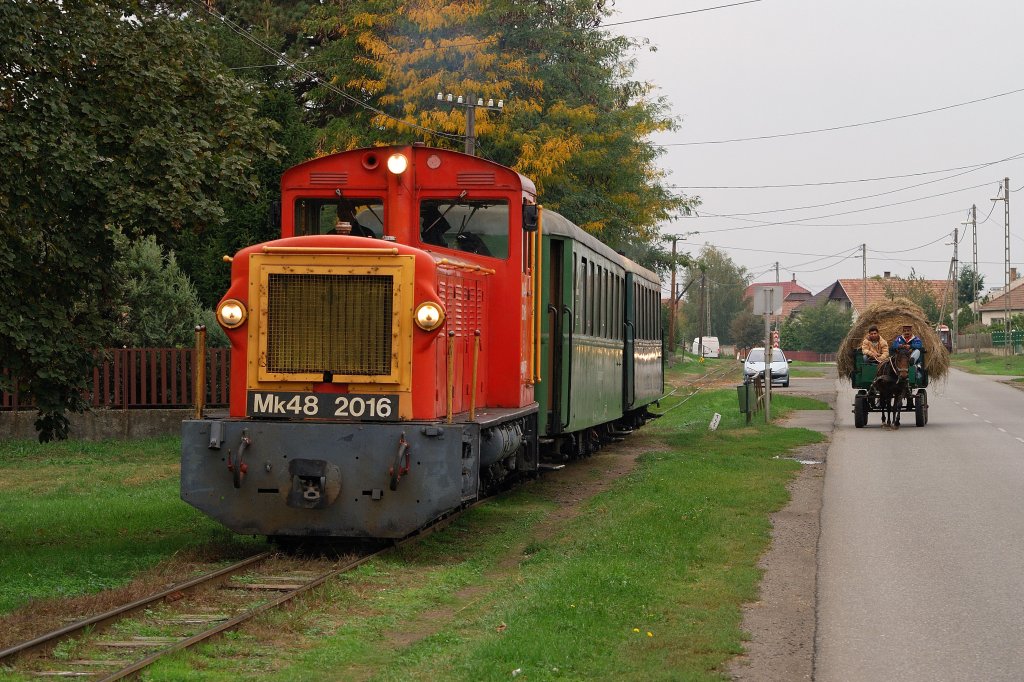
{"type": "Point", "coordinates": [777, 67]}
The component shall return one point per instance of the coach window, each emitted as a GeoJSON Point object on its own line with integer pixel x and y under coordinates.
{"type": "Point", "coordinates": [617, 331]}
{"type": "Point", "coordinates": [603, 303]}
{"type": "Point", "coordinates": [592, 308]}
{"type": "Point", "coordinates": [478, 226]}
{"type": "Point", "coordinates": [580, 274]}
{"type": "Point", "coordinates": [320, 216]}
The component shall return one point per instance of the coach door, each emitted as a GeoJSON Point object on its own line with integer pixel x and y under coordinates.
{"type": "Point", "coordinates": [560, 320]}
{"type": "Point", "coordinates": [628, 345]}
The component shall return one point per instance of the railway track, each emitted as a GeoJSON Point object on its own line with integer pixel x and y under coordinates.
{"type": "Point", "coordinates": [187, 617]}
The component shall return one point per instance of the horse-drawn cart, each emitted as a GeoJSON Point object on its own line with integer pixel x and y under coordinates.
{"type": "Point", "coordinates": [912, 396]}
{"type": "Point", "coordinates": [890, 317]}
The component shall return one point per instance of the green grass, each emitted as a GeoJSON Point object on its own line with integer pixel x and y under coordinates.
{"type": "Point", "coordinates": [989, 364]}
{"type": "Point", "coordinates": [670, 550]}
{"type": "Point", "coordinates": [80, 517]}
{"type": "Point", "coordinates": [686, 364]}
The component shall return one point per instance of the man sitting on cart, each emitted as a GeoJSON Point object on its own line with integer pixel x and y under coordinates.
{"type": "Point", "coordinates": [909, 338]}
{"type": "Point", "coordinates": [874, 347]}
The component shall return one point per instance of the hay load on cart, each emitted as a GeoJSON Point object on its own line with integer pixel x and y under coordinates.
{"type": "Point", "coordinates": [890, 316]}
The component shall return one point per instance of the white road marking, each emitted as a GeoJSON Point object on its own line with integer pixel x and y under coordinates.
{"type": "Point", "coordinates": [987, 421]}
{"type": "Point", "coordinates": [1021, 440]}
{"type": "Point", "coordinates": [1001, 429]}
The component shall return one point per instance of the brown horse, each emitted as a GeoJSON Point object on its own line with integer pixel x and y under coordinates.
{"type": "Point", "coordinates": [892, 386]}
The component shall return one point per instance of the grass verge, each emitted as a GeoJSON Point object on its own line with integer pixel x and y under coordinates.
{"type": "Point", "coordinates": [989, 364]}
{"type": "Point", "coordinates": [645, 580]}
{"type": "Point", "coordinates": [81, 517]}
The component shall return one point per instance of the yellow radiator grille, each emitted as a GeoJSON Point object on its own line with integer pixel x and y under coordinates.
{"type": "Point", "coordinates": [329, 323]}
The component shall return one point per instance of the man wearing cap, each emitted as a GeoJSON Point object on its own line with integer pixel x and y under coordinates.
{"type": "Point", "coordinates": [909, 338]}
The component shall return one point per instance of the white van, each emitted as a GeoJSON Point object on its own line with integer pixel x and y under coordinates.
{"type": "Point", "coordinates": [711, 346]}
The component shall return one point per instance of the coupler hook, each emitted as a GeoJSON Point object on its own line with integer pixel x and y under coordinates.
{"type": "Point", "coordinates": [239, 468]}
{"type": "Point", "coordinates": [398, 468]}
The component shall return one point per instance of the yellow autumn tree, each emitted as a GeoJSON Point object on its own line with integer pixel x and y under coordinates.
{"type": "Point", "coordinates": [572, 120]}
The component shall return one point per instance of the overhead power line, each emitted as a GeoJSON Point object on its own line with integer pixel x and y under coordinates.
{"type": "Point", "coordinates": [914, 248]}
{"type": "Point", "coordinates": [493, 39]}
{"type": "Point", "coordinates": [798, 221]}
{"type": "Point", "coordinates": [870, 196]}
{"type": "Point", "coordinates": [867, 224]}
{"type": "Point", "coordinates": [284, 61]}
{"type": "Point", "coordinates": [679, 14]}
{"type": "Point", "coordinates": [844, 127]}
{"type": "Point", "coordinates": [846, 182]}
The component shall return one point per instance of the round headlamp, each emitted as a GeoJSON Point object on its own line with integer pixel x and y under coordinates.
{"type": "Point", "coordinates": [398, 163]}
{"type": "Point", "coordinates": [231, 313]}
{"type": "Point", "coordinates": [429, 316]}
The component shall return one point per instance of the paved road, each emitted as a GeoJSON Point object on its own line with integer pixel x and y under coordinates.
{"type": "Point", "coordinates": [921, 554]}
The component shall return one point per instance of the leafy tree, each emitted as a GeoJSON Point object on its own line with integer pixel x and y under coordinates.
{"type": "Point", "coordinates": [157, 303]}
{"type": "Point", "coordinates": [965, 286]}
{"type": "Point", "coordinates": [573, 120]}
{"type": "Point", "coordinates": [278, 95]}
{"type": "Point", "coordinates": [917, 290]}
{"type": "Point", "coordinates": [747, 329]}
{"type": "Point", "coordinates": [819, 328]}
{"type": "Point", "coordinates": [724, 282]}
{"type": "Point", "coordinates": [115, 115]}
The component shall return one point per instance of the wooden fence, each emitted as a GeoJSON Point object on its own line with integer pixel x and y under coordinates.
{"type": "Point", "coordinates": [144, 378]}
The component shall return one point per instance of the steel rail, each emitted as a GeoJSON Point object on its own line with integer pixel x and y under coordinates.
{"type": "Point", "coordinates": [274, 603]}
{"type": "Point", "coordinates": [237, 620]}
{"type": "Point", "coordinates": [121, 611]}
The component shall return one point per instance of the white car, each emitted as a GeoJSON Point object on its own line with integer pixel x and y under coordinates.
{"type": "Point", "coordinates": [754, 365]}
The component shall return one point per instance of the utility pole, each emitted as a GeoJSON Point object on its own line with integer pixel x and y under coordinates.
{"type": "Point", "coordinates": [700, 325]}
{"type": "Point", "coordinates": [975, 313]}
{"type": "Point", "coordinates": [707, 311]}
{"type": "Point", "coordinates": [672, 305]}
{"type": "Point", "coordinates": [956, 286]}
{"type": "Point", "coordinates": [776, 321]}
{"type": "Point", "coordinates": [468, 104]}
{"type": "Point", "coordinates": [769, 295]}
{"type": "Point", "coordinates": [864, 275]}
{"type": "Point", "coordinates": [1006, 274]}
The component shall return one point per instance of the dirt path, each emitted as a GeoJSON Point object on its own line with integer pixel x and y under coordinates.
{"type": "Point", "coordinates": [781, 624]}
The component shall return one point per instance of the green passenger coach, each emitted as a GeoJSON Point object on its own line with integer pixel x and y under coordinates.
{"type": "Point", "coordinates": [601, 340]}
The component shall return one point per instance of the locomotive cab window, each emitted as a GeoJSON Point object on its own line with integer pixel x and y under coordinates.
{"type": "Point", "coordinates": [478, 226]}
{"type": "Point", "coordinates": [327, 216]}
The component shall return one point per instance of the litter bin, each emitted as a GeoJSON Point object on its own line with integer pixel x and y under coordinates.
{"type": "Point", "coordinates": [743, 391]}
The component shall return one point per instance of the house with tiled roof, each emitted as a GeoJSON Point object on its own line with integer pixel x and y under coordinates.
{"type": "Point", "coordinates": [856, 294]}
{"type": "Point", "coordinates": [994, 312]}
{"type": "Point", "coordinates": [792, 294]}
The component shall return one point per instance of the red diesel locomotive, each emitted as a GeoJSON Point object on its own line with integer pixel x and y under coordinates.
{"type": "Point", "coordinates": [388, 350]}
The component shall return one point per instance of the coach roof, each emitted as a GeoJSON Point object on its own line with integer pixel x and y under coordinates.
{"type": "Point", "coordinates": [557, 224]}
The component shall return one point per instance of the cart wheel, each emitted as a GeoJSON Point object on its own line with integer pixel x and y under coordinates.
{"type": "Point", "coordinates": [860, 411]}
{"type": "Point", "coordinates": [921, 408]}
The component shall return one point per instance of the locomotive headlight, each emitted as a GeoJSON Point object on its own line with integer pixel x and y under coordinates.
{"type": "Point", "coordinates": [397, 163]}
{"type": "Point", "coordinates": [429, 316]}
{"type": "Point", "coordinates": [231, 313]}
